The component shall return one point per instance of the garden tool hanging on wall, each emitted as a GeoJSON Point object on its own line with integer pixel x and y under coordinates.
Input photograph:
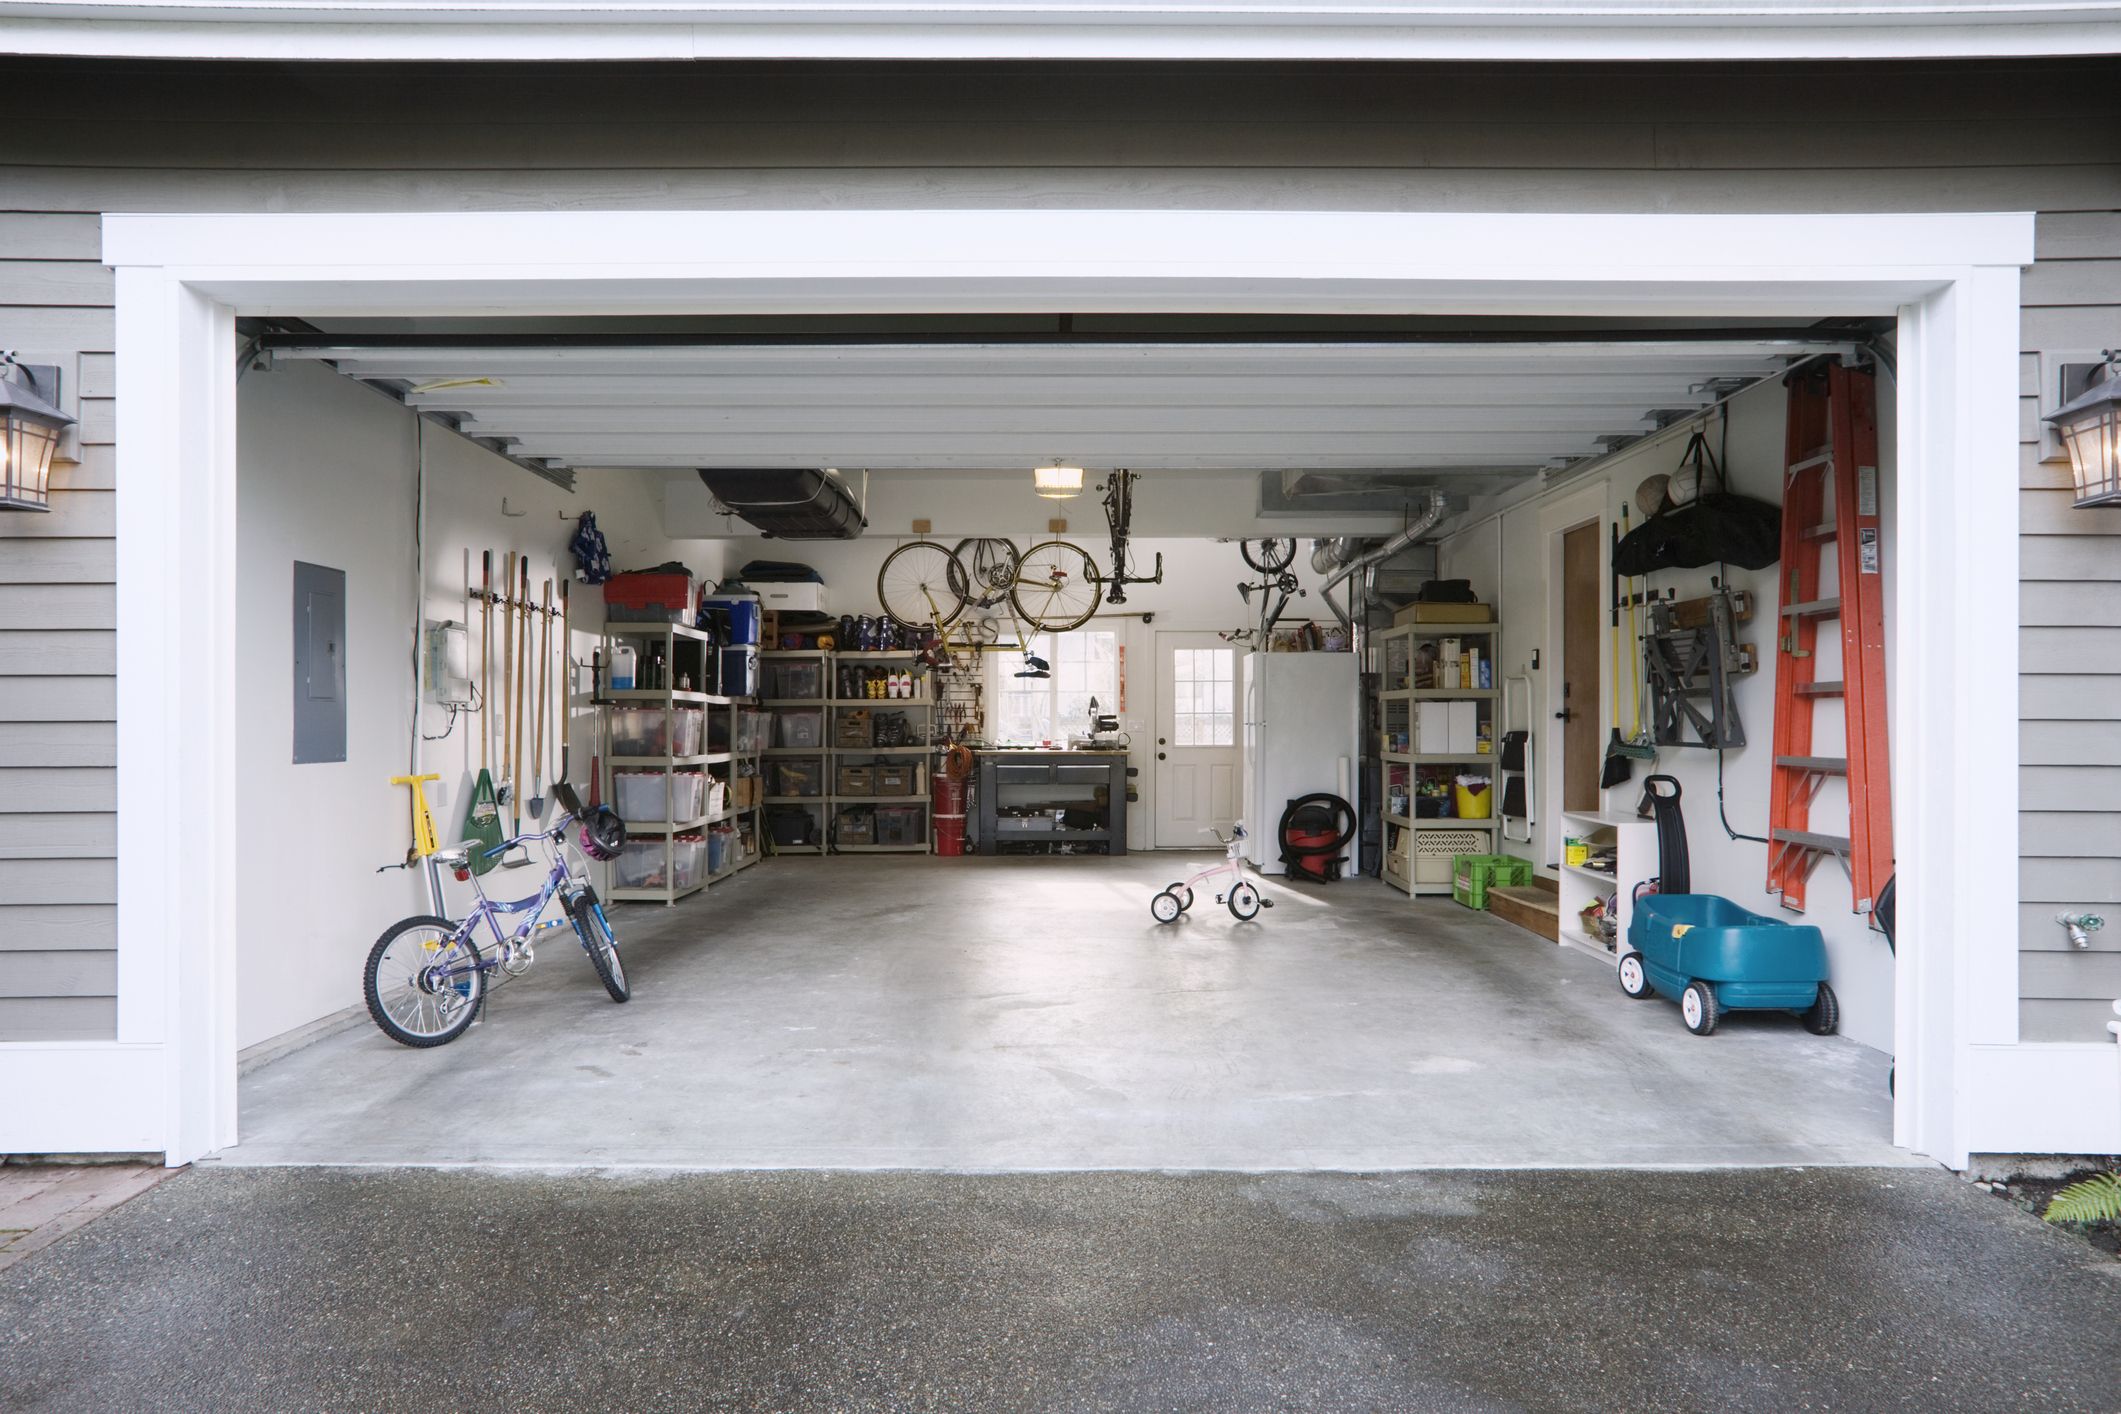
{"type": "Point", "coordinates": [1618, 765]}
{"type": "Point", "coordinates": [1638, 745]}
{"type": "Point", "coordinates": [482, 811]}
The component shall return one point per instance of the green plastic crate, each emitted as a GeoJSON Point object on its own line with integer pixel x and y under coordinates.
{"type": "Point", "coordinates": [1472, 875]}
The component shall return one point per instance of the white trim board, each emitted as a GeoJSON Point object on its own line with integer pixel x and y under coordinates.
{"type": "Point", "coordinates": [1951, 279]}
{"type": "Point", "coordinates": [1431, 30]}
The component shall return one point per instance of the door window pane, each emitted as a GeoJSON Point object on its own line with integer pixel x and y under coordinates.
{"type": "Point", "coordinates": [1204, 695]}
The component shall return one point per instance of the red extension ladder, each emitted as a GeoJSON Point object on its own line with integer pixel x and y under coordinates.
{"type": "Point", "coordinates": [1831, 458]}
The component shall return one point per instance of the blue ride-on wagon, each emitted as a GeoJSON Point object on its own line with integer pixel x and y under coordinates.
{"type": "Point", "coordinates": [1712, 956]}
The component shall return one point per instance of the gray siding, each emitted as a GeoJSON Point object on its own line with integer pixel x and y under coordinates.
{"type": "Point", "coordinates": [1917, 137]}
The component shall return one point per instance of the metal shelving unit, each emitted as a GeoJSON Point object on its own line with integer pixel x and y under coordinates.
{"type": "Point", "coordinates": [685, 653]}
{"type": "Point", "coordinates": [835, 749]}
{"type": "Point", "coordinates": [1397, 705]}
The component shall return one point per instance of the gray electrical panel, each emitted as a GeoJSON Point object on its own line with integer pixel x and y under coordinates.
{"type": "Point", "coordinates": [320, 664]}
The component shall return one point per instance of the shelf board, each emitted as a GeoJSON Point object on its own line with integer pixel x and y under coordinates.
{"type": "Point", "coordinates": [648, 629]}
{"type": "Point", "coordinates": [885, 750]}
{"type": "Point", "coordinates": [1431, 822]}
{"type": "Point", "coordinates": [1481, 629]}
{"type": "Point", "coordinates": [884, 702]}
{"type": "Point", "coordinates": [669, 827]}
{"type": "Point", "coordinates": [920, 848]}
{"type": "Point", "coordinates": [795, 653]}
{"type": "Point", "coordinates": [711, 758]}
{"type": "Point", "coordinates": [1453, 694]}
{"type": "Point", "coordinates": [792, 701]}
{"type": "Point", "coordinates": [796, 799]}
{"type": "Point", "coordinates": [798, 849]}
{"type": "Point", "coordinates": [1602, 875]}
{"type": "Point", "coordinates": [637, 695]}
{"type": "Point", "coordinates": [879, 800]}
{"type": "Point", "coordinates": [1476, 758]}
{"type": "Point", "coordinates": [896, 655]}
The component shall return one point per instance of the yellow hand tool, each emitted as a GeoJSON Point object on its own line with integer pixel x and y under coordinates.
{"type": "Point", "coordinates": [423, 824]}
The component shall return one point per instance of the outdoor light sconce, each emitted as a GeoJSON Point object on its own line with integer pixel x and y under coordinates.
{"type": "Point", "coordinates": [2089, 426]}
{"type": "Point", "coordinates": [1057, 483]}
{"type": "Point", "coordinates": [29, 433]}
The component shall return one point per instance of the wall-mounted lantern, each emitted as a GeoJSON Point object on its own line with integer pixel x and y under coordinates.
{"type": "Point", "coordinates": [2089, 426]}
{"type": "Point", "coordinates": [1057, 483]}
{"type": "Point", "coordinates": [30, 427]}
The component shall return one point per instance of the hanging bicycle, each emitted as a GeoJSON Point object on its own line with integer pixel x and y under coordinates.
{"type": "Point", "coordinates": [1055, 586]}
{"type": "Point", "coordinates": [1119, 516]}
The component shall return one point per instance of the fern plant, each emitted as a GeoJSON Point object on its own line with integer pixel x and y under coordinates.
{"type": "Point", "coordinates": [2093, 1200]}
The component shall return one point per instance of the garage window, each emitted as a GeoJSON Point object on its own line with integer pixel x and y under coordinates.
{"type": "Point", "coordinates": [1085, 665]}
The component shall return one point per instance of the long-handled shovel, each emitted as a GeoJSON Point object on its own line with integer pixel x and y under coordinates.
{"type": "Point", "coordinates": [482, 812]}
{"type": "Point", "coordinates": [1618, 766]}
{"type": "Point", "coordinates": [506, 792]}
{"type": "Point", "coordinates": [1638, 745]}
{"type": "Point", "coordinates": [537, 735]}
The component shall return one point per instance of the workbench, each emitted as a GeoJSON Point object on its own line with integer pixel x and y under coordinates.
{"type": "Point", "coordinates": [1013, 781]}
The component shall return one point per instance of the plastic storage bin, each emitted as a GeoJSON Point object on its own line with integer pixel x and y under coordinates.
{"type": "Point", "coordinates": [801, 778]}
{"type": "Point", "coordinates": [898, 824]}
{"type": "Point", "coordinates": [803, 678]}
{"type": "Point", "coordinates": [640, 864]}
{"type": "Point", "coordinates": [688, 860]}
{"type": "Point", "coordinates": [638, 731]}
{"type": "Point", "coordinates": [801, 727]}
{"type": "Point", "coordinates": [751, 727]}
{"type": "Point", "coordinates": [1472, 875]}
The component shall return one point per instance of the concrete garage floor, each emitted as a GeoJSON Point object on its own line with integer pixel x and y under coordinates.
{"type": "Point", "coordinates": [1027, 1014]}
{"type": "Point", "coordinates": [383, 1290]}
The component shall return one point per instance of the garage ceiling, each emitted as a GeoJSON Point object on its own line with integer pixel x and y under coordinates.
{"type": "Point", "coordinates": [1476, 410]}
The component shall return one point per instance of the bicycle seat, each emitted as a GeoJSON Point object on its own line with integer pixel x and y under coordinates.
{"type": "Point", "coordinates": [458, 855]}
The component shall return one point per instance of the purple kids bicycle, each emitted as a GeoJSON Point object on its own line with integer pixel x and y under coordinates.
{"type": "Point", "coordinates": [426, 977]}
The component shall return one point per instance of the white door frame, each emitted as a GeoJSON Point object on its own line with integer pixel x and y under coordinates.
{"type": "Point", "coordinates": [168, 1082]}
{"type": "Point", "coordinates": [1160, 642]}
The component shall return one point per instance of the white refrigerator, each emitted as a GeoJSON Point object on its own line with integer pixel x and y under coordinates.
{"type": "Point", "coordinates": [1303, 720]}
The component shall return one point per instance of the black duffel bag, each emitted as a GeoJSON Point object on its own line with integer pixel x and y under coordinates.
{"type": "Point", "coordinates": [1716, 527]}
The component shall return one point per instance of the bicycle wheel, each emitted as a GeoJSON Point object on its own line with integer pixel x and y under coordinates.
{"type": "Point", "coordinates": [594, 929]}
{"type": "Point", "coordinates": [986, 569]}
{"type": "Point", "coordinates": [1271, 555]}
{"type": "Point", "coordinates": [1057, 587]}
{"type": "Point", "coordinates": [921, 583]}
{"type": "Point", "coordinates": [424, 984]}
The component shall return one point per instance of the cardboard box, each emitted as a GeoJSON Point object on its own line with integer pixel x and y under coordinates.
{"type": "Point", "coordinates": [1465, 728]}
{"type": "Point", "coordinates": [1445, 614]}
{"type": "Point", "coordinates": [744, 792]}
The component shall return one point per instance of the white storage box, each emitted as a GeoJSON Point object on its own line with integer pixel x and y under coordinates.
{"type": "Point", "coordinates": [1465, 728]}
{"type": "Point", "coordinates": [791, 598]}
{"type": "Point", "coordinates": [1432, 728]}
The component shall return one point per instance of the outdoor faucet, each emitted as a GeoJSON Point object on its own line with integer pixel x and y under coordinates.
{"type": "Point", "coordinates": [2081, 926]}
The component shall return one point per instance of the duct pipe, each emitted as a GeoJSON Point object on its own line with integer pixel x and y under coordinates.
{"type": "Point", "coordinates": [1358, 596]}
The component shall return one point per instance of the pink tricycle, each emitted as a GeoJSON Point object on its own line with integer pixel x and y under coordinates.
{"type": "Point", "coordinates": [1242, 896]}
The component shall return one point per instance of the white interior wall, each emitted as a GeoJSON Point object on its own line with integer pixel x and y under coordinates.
{"type": "Point", "coordinates": [1510, 556]}
{"type": "Point", "coordinates": [326, 473]}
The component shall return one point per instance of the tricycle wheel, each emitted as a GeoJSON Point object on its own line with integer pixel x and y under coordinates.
{"type": "Point", "coordinates": [1183, 894]}
{"type": "Point", "coordinates": [1165, 907]}
{"type": "Point", "coordinates": [1823, 1017]}
{"type": "Point", "coordinates": [1634, 978]}
{"type": "Point", "coordinates": [1244, 902]}
{"type": "Point", "coordinates": [1697, 1006]}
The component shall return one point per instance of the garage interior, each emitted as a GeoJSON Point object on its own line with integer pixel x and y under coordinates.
{"type": "Point", "coordinates": [845, 992]}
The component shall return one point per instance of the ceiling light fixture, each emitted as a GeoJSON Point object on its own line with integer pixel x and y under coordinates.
{"type": "Point", "coordinates": [1057, 483]}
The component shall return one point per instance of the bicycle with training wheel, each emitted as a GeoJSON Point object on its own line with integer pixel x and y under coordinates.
{"type": "Point", "coordinates": [1241, 896]}
{"type": "Point", "coordinates": [427, 979]}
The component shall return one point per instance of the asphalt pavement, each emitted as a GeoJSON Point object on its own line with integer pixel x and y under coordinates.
{"type": "Point", "coordinates": [403, 1289]}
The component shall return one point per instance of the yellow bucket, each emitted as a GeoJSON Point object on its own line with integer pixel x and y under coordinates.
{"type": "Point", "coordinates": [1574, 852]}
{"type": "Point", "coordinates": [1474, 802]}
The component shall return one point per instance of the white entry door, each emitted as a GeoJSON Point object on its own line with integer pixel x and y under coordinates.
{"type": "Point", "coordinates": [1198, 735]}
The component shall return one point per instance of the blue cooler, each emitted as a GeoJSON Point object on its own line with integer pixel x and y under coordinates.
{"type": "Point", "coordinates": [743, 612]}
{"type": "Point", "coordinates": [740, 667]}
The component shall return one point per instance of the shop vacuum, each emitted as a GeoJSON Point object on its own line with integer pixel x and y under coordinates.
{"type": "Point", "coordinates": [1314, 833]}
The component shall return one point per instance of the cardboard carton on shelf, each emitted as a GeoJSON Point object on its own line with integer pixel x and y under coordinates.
{"type": "Point", "coordinates": [1444, 614]}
